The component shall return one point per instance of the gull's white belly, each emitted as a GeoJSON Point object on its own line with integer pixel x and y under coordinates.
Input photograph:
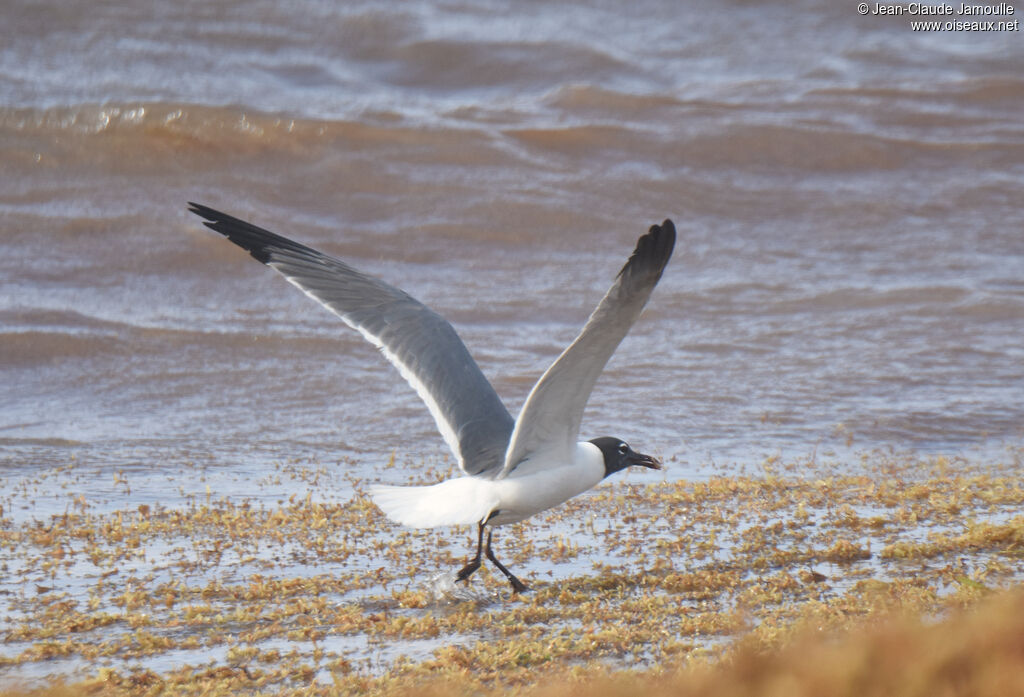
{"type": "Point", "coordinates": [519, 497]}
{"type": "Point", "coordinates": [535, 486]}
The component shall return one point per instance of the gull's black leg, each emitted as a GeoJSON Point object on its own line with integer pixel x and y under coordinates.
{"type": "Point", "coordinates": [517, 585]}
{"type": "Point", "coordinates": [473, 565]}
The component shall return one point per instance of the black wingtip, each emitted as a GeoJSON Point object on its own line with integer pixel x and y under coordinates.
{"type": "Point", "coordinates": [653, 250]}
{"type": "Point", "coordinates": [667, 230]}
{"type": "Point", "coordinates": [667, 226]}
{"type": "Point", "coordinates": [206, 212]}
{"type": "Point", "coordinates": [260, 243]}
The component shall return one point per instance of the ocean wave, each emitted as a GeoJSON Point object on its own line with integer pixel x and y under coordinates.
{"type": "Point", "coordinates": [993, 90]}
{"type": "Point", "coordinates": [191, 126]}
{"type": "Point", "coordinates": [832, 300]}
{"type": "Point", "coordinates": [35, 337]}
{"type": "Point", "coordinates": [466, 64]}
{"type": "Point", "coordinates": [596, 123]}
{"type": "Point", "coordinates": [32, 348]}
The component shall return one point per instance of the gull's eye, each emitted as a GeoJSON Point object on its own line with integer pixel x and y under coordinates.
{"type": "Point", "coordinates": [623, 448]}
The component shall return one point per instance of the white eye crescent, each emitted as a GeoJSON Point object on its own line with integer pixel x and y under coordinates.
{"type": "Point", "coordinates": [623, 448]}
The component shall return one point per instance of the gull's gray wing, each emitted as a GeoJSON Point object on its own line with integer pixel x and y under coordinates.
{"type": "Point", "coordinates": [550, 419]}
{"type": "Point", "coordinates": [418, 341]}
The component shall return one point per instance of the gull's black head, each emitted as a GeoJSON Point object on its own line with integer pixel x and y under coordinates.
{"type": "Point", "coordinates": [618, 455]}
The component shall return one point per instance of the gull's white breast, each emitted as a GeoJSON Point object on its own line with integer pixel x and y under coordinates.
{"type": "Point", "coordinates": [546, 485]}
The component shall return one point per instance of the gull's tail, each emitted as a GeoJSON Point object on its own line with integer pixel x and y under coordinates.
{"type": "Point", "coordinates": [461, 501]}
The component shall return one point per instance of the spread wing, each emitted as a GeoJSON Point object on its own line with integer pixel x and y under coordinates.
{"type": "Point", "coordinates": [550, 419]}
{"type": "Point", "coordinates": [418, 341]}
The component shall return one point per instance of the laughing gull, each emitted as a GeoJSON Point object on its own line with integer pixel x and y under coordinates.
{"type": "Point", "coordinates": [512, 469]}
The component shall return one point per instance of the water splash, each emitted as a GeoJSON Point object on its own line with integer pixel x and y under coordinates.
{"type": "Point", "coordinates": [446, 590]}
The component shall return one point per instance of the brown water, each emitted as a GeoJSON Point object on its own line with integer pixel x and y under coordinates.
{"type": "Point", "coordinates": [850, 269]}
